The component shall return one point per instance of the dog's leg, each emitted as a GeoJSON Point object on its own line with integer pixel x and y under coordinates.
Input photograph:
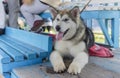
{"type": "Point", "coordinates": [78, 63]}
{"type": "Point", "coordinates": [57, 61]}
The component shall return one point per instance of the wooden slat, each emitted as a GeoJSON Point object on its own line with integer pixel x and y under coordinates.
{"type": "Point", "coordinates": [41, 53]}
{"type": "Point", "coordinates": [4, 58]}
{"type": "Point", "coordinates": [13, 75]}
{"type": "Point", "coordinates": [115, 31]}
{"type": "Point", "coordinates": [29, 54]}
{"type": "Point", "coordinates": [9, 66]}
{"type": "Point", "coordinates": [15, 54]}
{"type": "Point", "coordinates": [7, 75]}
{"type": "Point", "coordinates": [37, 40]}
{"type": "Point", "coordinates": [104, 29]}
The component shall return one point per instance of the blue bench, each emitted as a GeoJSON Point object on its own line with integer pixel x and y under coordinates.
{"type": "Point", "coordinates": [21, 48]}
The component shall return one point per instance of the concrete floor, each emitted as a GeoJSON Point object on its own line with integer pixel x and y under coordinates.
{"type": "Point", "coordinates": [90, 71]}
{"type": "Point", "coordinates": [97, 68]}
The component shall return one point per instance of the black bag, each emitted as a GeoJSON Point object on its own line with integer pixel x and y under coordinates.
{"type": "Point", "coordinates": [2, 31]}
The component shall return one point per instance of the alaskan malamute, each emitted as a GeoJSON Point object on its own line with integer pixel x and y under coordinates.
{"type": "Point", "coordinates": [71, 40]}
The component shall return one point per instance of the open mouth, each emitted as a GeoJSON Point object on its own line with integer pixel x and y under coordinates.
{"type": "Point", "coordinates": [60, 35]}
{"type": "Point", "coordinates": [65, 32]}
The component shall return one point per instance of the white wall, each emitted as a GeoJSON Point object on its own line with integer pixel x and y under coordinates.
{"type": "Point", "coordinates": [104, 1]}
{"type": "Point", "coordinates": [96, 1]}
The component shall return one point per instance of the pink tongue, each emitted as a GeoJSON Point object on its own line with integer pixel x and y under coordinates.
{"type": "Point", "coordinates": [59, 36]}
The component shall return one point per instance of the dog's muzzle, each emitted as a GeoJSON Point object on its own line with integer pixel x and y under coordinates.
{"type": "Point", "coordinates": [58, 28]}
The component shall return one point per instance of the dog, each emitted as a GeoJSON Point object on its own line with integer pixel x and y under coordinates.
{"type": "Point", "coordinates": [71, 40]}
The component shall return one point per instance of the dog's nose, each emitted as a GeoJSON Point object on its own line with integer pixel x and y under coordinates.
{"type": "Point", "coordinates": [58, 28]}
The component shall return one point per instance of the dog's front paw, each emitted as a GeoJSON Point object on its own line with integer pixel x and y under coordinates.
{"type": "Point", "coordinates": [74, 68]}
{"type": "Point", "coordinates": [59, 67]}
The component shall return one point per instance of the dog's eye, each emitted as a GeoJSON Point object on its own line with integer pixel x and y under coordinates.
{"type": "Point", "coordinates": [66, 20]}
{"type": "Point", "coordinates": [58, 19]}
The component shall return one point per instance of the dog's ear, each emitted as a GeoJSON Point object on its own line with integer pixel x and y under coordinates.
{"type": "Point", "coordinates": [53, 12]}
{"type": "Point", "coordinates": [75, 11]}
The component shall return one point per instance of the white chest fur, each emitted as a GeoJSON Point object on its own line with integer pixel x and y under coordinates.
{"type": "Point", "coordinates": [67, 47]}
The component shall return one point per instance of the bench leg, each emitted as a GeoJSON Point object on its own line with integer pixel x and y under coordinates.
{"type": "Point", "coordinates": [115, 32]}
{"type": "Point", "coordinates": [105, 31]}
{"type": "Point", "coordinates": [89, 23]}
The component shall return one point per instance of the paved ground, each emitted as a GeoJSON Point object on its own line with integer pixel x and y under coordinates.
{"type": "Point", "coordinates": [97, 68]}
{"type": "Point", "coordinates": [39, 71]}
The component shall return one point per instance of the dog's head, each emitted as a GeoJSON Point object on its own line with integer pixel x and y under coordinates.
{"type": "Point", "coordinates": [66, 22]}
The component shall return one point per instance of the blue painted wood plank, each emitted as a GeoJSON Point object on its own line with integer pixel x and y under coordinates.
{"type": "Point", "coordinates": [4, 58]}
{"type": "Point", "coordinates": [89, 23]}
{"type": "Point", "coordinates": [29, 54]}
{"type": "Point", "coordinates": [13, 75]}
{"type": "Point", "coordinates": [106, 25]}
{"type": "Point", "coordinates": [39, 51]}
{"type": "Point", "coordinates": [37, 40]}
{"type": "Point", "coordinates": [108, 14]}
{"type": "Point", "coordinates": [43, 54]}
{"type": "Point", "coordinates": [115, 31]}
{"type": "Point", "coordinates": [7, 75]}
{"type": "Point", "coordinates": [8, 67]}
{"type": "Point", "coordinates": [100, 14]}
{"type": "Point", "coordinates": [90, 14]}
{"type": "Point", "coordinates": [46, 15]}
{"type": "Point", "coordinates": [104, 30]}
{"type": "Point", "coordinates": [15, 54]}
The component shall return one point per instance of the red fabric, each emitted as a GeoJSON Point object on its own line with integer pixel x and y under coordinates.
{"type": "Point", "coordinates": [100, 51]}
{"type": "Point", "coordinates": [38, 23]}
